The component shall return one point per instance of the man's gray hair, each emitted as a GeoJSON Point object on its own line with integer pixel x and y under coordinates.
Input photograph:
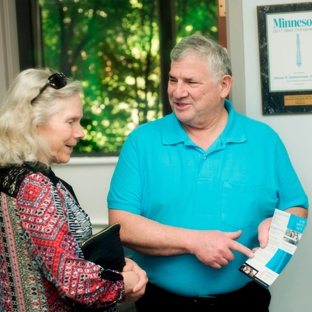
{"type": "Point", "coordinates": [216, 55]}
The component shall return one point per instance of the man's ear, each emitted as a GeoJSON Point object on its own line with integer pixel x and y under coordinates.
{"type": "Point", "coordinates": [226, 84]}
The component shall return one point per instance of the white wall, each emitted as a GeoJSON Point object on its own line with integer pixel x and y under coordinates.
{"type": "Point", "coordinates": [291, 292]}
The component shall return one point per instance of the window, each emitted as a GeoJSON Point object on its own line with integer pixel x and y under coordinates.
{"type": "Point", "coordinates": [119, 50]}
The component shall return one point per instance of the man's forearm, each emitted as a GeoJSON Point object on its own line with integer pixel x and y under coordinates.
{"type": "Point", "coordinates": [298, 211]}
{"type": "Point", "coordinates": [148, 236]}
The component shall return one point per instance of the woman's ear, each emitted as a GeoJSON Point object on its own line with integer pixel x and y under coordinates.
{"type": "Point", "coordinates": [39, 128]}
{"type": "Point", "coordinates": [226, 84]}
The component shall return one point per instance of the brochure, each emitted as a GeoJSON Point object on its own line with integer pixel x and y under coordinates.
{"type": "Point", "coordinates": [267, 264]}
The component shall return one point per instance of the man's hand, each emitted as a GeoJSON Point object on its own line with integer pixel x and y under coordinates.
{"type": "Point", "coordinates": [214, 248]}
{"type": "Point", "coordinates": [264, 226]}
{"type": "Point", "coordinates": [263, 232]}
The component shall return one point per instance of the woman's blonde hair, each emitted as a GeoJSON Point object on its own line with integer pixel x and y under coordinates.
{"type": "Point", "coordinates": [19, 141]}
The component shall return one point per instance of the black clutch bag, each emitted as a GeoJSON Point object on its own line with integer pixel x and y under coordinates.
{"type": "Point", "coordinates": [105, 249]}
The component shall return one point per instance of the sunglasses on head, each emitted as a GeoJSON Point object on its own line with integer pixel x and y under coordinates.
{"type": "Point", "coordinates": [56, 81]}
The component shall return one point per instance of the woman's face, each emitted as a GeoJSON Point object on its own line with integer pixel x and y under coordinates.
{"type": "Point", "coordinates": [63, 130]}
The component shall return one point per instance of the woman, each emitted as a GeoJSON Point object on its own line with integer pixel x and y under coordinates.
{"type": "Point", "coordinates": [41, 223]}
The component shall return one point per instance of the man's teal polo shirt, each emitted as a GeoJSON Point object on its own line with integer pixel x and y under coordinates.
{"type": "Point", "coordinates": [237, 183]}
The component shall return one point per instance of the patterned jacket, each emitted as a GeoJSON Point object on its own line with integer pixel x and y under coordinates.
{"type": "Point", "coordinates": [41, 264]}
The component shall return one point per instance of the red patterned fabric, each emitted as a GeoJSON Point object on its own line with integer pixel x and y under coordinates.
{"type": "Point", "coordinates": [40, 267]}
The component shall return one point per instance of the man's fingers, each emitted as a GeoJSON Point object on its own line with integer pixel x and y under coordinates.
{"type": "Point", "coordinates": [237, 246]}
{"type": "Point", "coordinates": [263, 232]}
{"type": "Point", "coordinates": [216, 265]}
{"type": "Point", "coordinates": [242, 249]}
{"type": "Point", "coordinates": [233, 235]}
{"type": "Point", "coordinates": [263, 238]}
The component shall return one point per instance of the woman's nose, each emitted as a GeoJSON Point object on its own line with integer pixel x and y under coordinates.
{"type": "Point", "coordinates": [79, 133]}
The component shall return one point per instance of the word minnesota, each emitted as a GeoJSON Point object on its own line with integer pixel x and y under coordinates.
{"type": "Point", "coordinates": [282, 23]}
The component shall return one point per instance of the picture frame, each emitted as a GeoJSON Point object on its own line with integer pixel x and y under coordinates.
{"type": "Point", "coordinates": [285, 45]}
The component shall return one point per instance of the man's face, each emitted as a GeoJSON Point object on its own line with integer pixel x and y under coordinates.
{"type": "Point", "coordinates": [194, 96]}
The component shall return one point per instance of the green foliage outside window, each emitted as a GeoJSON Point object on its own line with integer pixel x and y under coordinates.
{"type": "Point", "coordinates": [112, 47]}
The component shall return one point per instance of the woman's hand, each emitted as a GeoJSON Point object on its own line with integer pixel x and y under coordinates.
{"type": "Point", "coordinates": [135, 280]}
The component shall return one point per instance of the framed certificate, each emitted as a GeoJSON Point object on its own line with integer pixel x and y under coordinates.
{"type": "Point", "coordinates": [285, 46]}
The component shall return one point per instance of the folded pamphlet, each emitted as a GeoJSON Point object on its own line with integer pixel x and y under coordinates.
{"type": "Point", "coordinates": [284, 235]}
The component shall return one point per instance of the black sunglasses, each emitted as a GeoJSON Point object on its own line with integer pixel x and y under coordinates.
{"type": "Point", "coordinates": [56, 81]}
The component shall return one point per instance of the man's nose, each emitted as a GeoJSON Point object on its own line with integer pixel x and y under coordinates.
{"type": "Point", "coordinates": [180, 90]}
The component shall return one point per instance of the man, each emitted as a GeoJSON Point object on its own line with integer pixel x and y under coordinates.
{"type": "Point", "coordinates": [195, 191]}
